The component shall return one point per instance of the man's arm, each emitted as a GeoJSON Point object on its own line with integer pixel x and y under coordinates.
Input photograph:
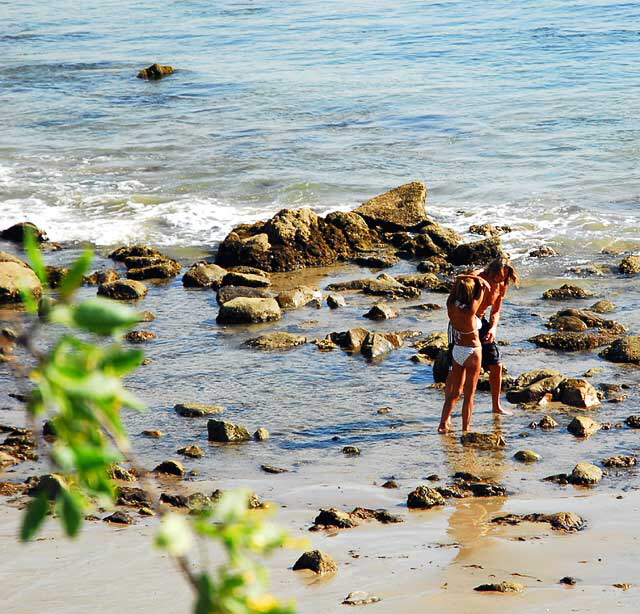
{"type": "Point", "coordinates": [494, 318]}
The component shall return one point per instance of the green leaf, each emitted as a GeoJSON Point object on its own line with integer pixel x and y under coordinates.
{"type": "Point", "coordinates": [70, 510]}
{"type": "Point", "coordinates": [73, 279]}
{"type": "Point", "coordinates": [34, 516]}
{"type": "Point", "coordinates": [118, 361]}
{"type": "Point", "coordinates": [28, 300]}
{"type": "Point", "coordinates": [204, 600]}
{"type": "Point", "coordinates": [104, 317]}
{"type": "Point", "coordinates": [33, 255]}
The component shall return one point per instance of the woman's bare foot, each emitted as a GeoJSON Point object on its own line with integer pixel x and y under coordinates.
{"type": "Point", "coordinates": [501, 411]}
{"type": "Point", "coordinates": [445, 428]}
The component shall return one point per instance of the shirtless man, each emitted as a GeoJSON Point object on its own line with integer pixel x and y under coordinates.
{"type": "Point", "coordinates": [499, 273]}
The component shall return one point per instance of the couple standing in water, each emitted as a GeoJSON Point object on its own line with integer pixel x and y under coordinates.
{"type": "Point", "coordinates": [473, 337]}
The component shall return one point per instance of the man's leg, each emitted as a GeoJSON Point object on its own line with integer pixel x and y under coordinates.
{"type": "Point", "coordinates": [495, 381]}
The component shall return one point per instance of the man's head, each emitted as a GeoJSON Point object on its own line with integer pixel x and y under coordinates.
{"type": "Point", "coordinates": [500, 270]}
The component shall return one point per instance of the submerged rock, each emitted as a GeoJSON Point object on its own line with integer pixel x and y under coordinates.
{"type": "Point", "coordinates": [276, 341]}
{"type": "Point", "coordinates": [620, 461]}
{"type": "Point", "coordinates": [568, 522]}
{"type": "Point", "coordinates": [249, 310]}
{"type": "Point", "coordinates": [630, 265]}
{"type": "Point", "coordinates": [191, 451]}
{"type": "Point", "coordinates": [360, 598]}
{"type": "Point", "coordinates": [155, 72]}
{"type": "Point", "coordinates": [483, 440]}
{"type": "Point", "coordinates": [197, 410]}
{"type": "Point", "coordinates": [222, 431]}
{"type": "Point", "coordinates": [526, 456]}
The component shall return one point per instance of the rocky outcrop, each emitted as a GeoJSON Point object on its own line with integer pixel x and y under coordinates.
{"type": "Point", "coordinates": [483, 440]}
{"type": "Point", "coordinates": [581, 319]}
{"type": "Point", "coordinates": [630, 265]}
{"type": "Point", "coordinates": [569, 522]}
{"type": "Point", "coordinates": [402, 208]}
{"type": "Point", "coordinates": [15, 233]}
{"type": "Point", "coordinates": [14, 276]}
{"type": "Point", "coordinates": [155, 72]}
{"type": "Point", "coordinates": [243, 310]}
{"type": "Point", "coordinates": [145, 262]}
{"type": "Point", "coordinates": [626, 350]}
{"type": "Point", "coordinates": [424, 497]}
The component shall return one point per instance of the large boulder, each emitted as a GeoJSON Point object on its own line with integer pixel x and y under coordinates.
{"type": "Point", "coordinates": [292, 239]}
{"type": "Point", "coordinates": [222, 431]}
{"type": "Point", "coordinates": [377, 345]}
{"type": "Point", "coordinates": [402, 208]}
{"type": "Point", "coordinates": [583, 426]}
{"type": "Point", "coordinates": [585, 474]}
{"type": "Point", "coordinates": [536, 391]}
{"type": "Point", "coordinates": [424, 497]}
{"type": "Point", "coordinates": [572, 342]}
{"type": "Point", "coordinates": [478, 252]}
{"type": "Point", "coordinates": [249, 310]}
{"type": "Point", "coordinates": [298, 297]}
{"type": "Point", "coordinates": [15, 275]}
{"type": "Point", "coordinates": [630, 265]}
{"type": "Point", "coordinates": [316, 561]}
{"type": "Point", "coordinates": [626, 349]}
{"type": "Point", "coordinates": [228, 293]}
{"type": "Point", "coordinates": [578, 393]}
{"type": "Point", "coordinates": [15, 233]}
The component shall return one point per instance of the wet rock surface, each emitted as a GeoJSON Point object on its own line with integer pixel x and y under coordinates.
{"type": "Point", "coordinates": [222, 431]}
{"type": "Point", "coordinates": [276, 341]}
{"type": "Point", "coordinates": [316, 561]}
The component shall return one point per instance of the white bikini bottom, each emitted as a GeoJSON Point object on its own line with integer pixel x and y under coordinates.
{"type": "Point", "coordinates": [461, 353]}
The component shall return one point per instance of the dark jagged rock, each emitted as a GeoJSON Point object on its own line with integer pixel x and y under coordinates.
{"type": "Point", "coordinates": [620, 461]}
{"type": "Point", "coordinates": [478, 252]}
{"type": "Point", "coordinates": [197, 410]}
{"type": "Point", "coordinates": [119, 518]}
{"type": "Point", "coordinates": [165, 269]}
{"type": "Point", "coordinates": [566, 292]}
{"type": "Point", "coordinates": [174, 500]}
{"type": "Point", "coordinates": [569, 522]}
{"type": "Point", "coordinates": [140, 336]}
{"type": "Point", "coordinates": [543, 251]}
{"type": "Point", "coordinates": [377, 261]}
{"type": "Point", "coordinates": [222, 431]}
{"type": "Point", "coordinates": [101, 277]}
{"type": "Point", "coordinates": [133, 497]}
{"type": "Point", "coordinates": [15, 233]}
{"type": "Point", "coordinates": [633, 422]}
{"type": "Point", "coordinates": [630, 265]}
{"type": "Point", "coordinates": [134, 251]}
{"type": "Point", "coordinates": [170, 467]}
{"type": "Point", "coordinates": [488, 230]}
{"type": "Point", "coordinates": [500, 587]}
{"type": "Point", "coordinates": [424, 497]}
{"type": "Point", "coordinates": [155, 72]}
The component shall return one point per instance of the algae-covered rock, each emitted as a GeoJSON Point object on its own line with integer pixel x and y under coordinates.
{"type": "Point", "coordinates": [155, 72]}
{"type": "Point", "coordinates": [424, 497]}
{"type": "Point", "coordinates": [222, 431]}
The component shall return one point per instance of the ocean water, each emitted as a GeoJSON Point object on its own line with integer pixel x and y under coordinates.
{"type": "Point", "coordinates": [518, 114]}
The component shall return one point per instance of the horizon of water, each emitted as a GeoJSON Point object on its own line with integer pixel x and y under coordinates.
{"type": "Point", "coordinates": [513, 115]}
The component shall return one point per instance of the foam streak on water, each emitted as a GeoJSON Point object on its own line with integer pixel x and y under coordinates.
{"type": "Point", "coordinates": [512, 115]}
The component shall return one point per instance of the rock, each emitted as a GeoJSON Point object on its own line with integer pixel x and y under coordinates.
{"type": "Point", "coordinates": [15, 233]}
{"type": "Point", "coordinates": [155, 72]}
{"type": "Point", "coordinates": [316, 561]}
{"type": "Point", "coordinates": [15, 275]}
{"type": "Point", "coordinates": [153, 434]}
{"type": "Point", "coordinates": [377, 261]}
{"type": "Point", "coordinates": [390, 484]}
{"type": "Point", "coordinates": [566, 292]}
{"type": "Point", "coordinates": [55, 275]}
{"type": "Point", "coordinates": [453, 492]}
{"type": "Point", "coordinates": [174, 500]}
{"type": "Point", "coordinates": [620, 461]}
{"type": "Point", "coordinates": [261, 434]}
{"type": "Point", "coordinates": [376, 346]}
{"type": "Point", "coordinates": [381, 311]}
{"type": "Point", "coordinates": [547, 423]}
{"type": "Point", "coordinates": [572, 342]}
{"type": "Point", "coordinates": [578, 393]}
{"type": "Point", "coordinates": [488, 230]}
{"type": "Point", "coordinates": [276, 341]}
{"type": "Point", "coordinates": [544, 251]}
{"type": "Point", "coordinates": [402, 208]}
{"type": "Point", "coordinates": [132, 497]}
{"type": "Point", "coordinates": [228, 293]}
{"type": "Point", "coordinates": [119, 518]}
{"type": "Point", "coordinates": [116, 472]}
{"type": "Point", "coordinates": [249, 269]}
{"type": "Point", "coordinates": [633, 422]}
{"type": "Point", "coordinates": [478, 252]}
{"type": "Point", "coordinates": [424, 497]}
{"type": "Point", "coordinates": [294, 239]}
{"type": "Point", "coordinates": [140, 336]}
{"type": "Point", "coordinates": [100, 277]}
{"type": "Point", "coordinates": [204, 275]}
{"type": "Point", "coordinates": [253, 501]}
{"type": "Point", "coordinates": [423, 281]}
{"type": "Point", "coordinates": [165, 268]}
{"type": "Point", "coordinates": [587, 319]}
{"type": "Point", "coordinates": [568, 522]}
{"type": "Point", "coordinates": [483, 440]}
{"type": "Point", "coordinates": [191, 451]}
{"type": "Point", "coordinates": [568, 580]}
{"type": "Point", "coordinates": [272, 469]}
{"type": "Point", "coordinates": [561, 479]}
{"type": "Point", "coordinates": [351, 450]}
{"type": "Point", "coordinates": [603, 306]}
{"type": "Point", "coordinates": [297, 297]}
{"type": "Point", "coordinates": [243, 310]}
{"type": "Point", "coordinates": [335, 301]}
{"type": "Point", "coordinates": [360, 598]}
{"type": "Point", "coordinates": [625, 586]}
{"type": "Point", "coordinates": [630, 265]}
{"type": "Point", "coordinates": [390, 288]}
{"type": "Point", "coordinates": [222, 431]}
{"type": "Point", "coordinates": [170, 467]}
{"type": "Point", "coordinates": [7, 460]}
{"type": "Point", "coordinates": [123, 290]}
{"type": "Point", "coordinates": [432, 344]}
{"type": "Point", "coordinates": [197, 410]}
{"type": "Point", "coordinates": [535, 391]}
{"type": "Point", "coordinates": [526, 456]}
{"type": "Point", "coordinates": [583, 426]}
{"type": "Point", "coordinates": [245, 279]}
{"type": "Point", "coordinates": [585, 473]}
{"type": "Point", "coordinates": [501, 587]}
{"type": "Point", "coordinates": [350, 340]}
{"type": "Point", "coordinates": [333, 517]}
{"type": "Point", "coordinates": [625, 350]}
{"type": "Point", "coordinates": [568, 323]}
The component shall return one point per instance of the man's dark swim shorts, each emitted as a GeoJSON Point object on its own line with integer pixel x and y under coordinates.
{"type": "Point", "coordinates": [490, 351]}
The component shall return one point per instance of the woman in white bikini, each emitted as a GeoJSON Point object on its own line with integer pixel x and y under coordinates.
{"type": "Point", "coordinates": [463, 303]}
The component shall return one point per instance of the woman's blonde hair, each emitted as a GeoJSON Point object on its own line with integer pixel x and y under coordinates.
{"type": "Point", "coordinates": [464, 291]}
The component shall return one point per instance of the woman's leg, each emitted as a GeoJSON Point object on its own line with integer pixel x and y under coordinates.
{"type": "Point", "coordinates": [452, 390]}
{"type": "Point", "coordinates": [472, 372]}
